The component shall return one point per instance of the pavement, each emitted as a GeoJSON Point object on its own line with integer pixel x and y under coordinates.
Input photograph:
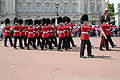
{"type": "Point", "coordinates": [67, 65]}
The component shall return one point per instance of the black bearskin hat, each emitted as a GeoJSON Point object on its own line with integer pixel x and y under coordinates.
{"type": "Point", "coordinates": [16, 20]}
{"type": "Point", "coordinates": [48, 21]}
{"type": "Point", "coordinates": [26, 21]}
{"type": "Point", "coordinates": [53, 21]}
{"type": "Point", "coordinates": [20, 21]}
{"type": "Point", "coordinates": [39, 21]}
{"type": "Point", "coordinates": [59, 20]}
{"type": "Point", "coordinates": [44, 21]}
{"type": "Point", "coordinates": [84, 18]}
{"type": "Point", "coordinates": [68, 19]}
{"type": "Point", "coordinates": [7, 21]}
{"type": "Point", "coordinates": [35, 21]}
{"type": "Point", "coordinates": [65, 19]}
{"type": "Point", "coordinates": [30, 22]}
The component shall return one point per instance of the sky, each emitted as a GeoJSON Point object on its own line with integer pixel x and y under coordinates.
{"type": "Point", "coordinates": [115, 2]}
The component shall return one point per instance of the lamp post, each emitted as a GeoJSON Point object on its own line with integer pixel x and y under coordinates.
{"type": "Point", "coordinates": [56, 5]}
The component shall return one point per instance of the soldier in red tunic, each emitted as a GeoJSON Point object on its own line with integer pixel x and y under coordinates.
{"type": "Point", "coordinates": [16, 34]}
{"type": "Point", "coordinates": [7, 35]}
{"type": "Point", "coordinates": [53, 31]}
{"type": "Point", "coordinates": [45, 35]}
{"type": "Point", "coordinates": [85, 37]}
{"type": "Point", "coordinates": [61, 34]}
{"type": "Point", "coordinates": [22, 33]}
{"type": "Point", "coordinates": [30, 36]}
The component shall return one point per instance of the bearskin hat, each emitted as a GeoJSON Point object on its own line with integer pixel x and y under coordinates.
{"type": "Point", "coordinates": [65, 19]}
{"type": "Point", "coordinates": [20, 21]}
{"type": "Point", "coordinates": [30, 22]}
{"type": "Point", "coordinates": [39, 21]}
{"type": "Point", "coordinates": [48, 21]}
{"type": "Point", "coordinates": [7, 21]}
{"type": "Point", "coordinates": [26, 21]}
{"type": "Point", "coordinates": [68, 19]}
{"type": "Point", "coordinates": [84, 18]}
{"type": "Point", "coordinates": [53, 21]}
{"type": "Point", "coordinates": [35, 21]}
{"type": "Point", "coordinates": [44, 21]}
{"type": "Point", "coordinates": [16, 20]}
{"type": "Point", "coordinates": [60, 19]}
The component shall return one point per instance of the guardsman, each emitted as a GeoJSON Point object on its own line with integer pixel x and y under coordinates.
{"type": "Point", "coordinates": [53, 31]}
{"type": "Point", "coordinates": [7, 31]}
{"type": "Point", "coordinates": [36, 34]}
{"type": "Point", "coordinates": [69, 32]}
{"type": "Point", "coordinates": [85, 37]}
{"type": "Point", "coordinates": [66, 33]}
{"type": "Point", "coordinates": [22, 33]}
{"type": "Point", "coordinates": [61, 34]}
{"type": "Point", "coordinates": [45, 35]}
{"type": "Point", "coordinates": [30, 36]}
{"type": "Point", "coordinates": [16, 34]}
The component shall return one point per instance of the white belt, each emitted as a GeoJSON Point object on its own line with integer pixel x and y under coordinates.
{"type": "Point", "coordinates": [108, 29]}
{"type": "Point", "coordinates": [85, 32]}
{"type": "Point", "coordinates": [16, 31]}
{"type": "Point", "coordinates": [51, 31]}
{"type": "Point", "coordinates": [61, 31]}
{"type": "Point", "coordinates": [23, 31]}
{"type": "Point", "coordinates": [7, 31]}
{"type": "Point", "coordinates": [30, 32]}
{"type": "Point", "coordinates": [45, 32]}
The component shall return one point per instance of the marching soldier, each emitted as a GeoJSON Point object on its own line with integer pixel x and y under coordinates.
{"type": "Point", "coordinates": [61, 34]}
{"type": "Point", "coordinates": [53, 33]}
{"type": "Point", "coordinates": [30, 36]}
{"type": "Point", "coordinates": [85, 37]}
{"type": "Point", "coordinates": [45, 35]}
{"type": "Point", "coordinates": [16, 34]}
{"type": "Point", "coordinates": [22, 33]}
{"type": "Point", "coordinates": [7, 33]}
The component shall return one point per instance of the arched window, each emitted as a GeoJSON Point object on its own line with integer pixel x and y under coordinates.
{"type": "Point", "coordinates": [47, 7]}
{"type": "Point", "coordinates": [74, 8]}
{"type": "Point", "coordinates": [2, 7]}
{"type": "Point", "coordinates": [92, 8]}
{"type": "Point", "coordinates": [19, 7]}
{"type": "Point", "coordinates": [28, 7]}
{"type": "Point", "coordinates": [65, 7]}
{"type": "Point", "coordinates": [38, 7]}
{"type": "Point", "coordinates": [86, 6]}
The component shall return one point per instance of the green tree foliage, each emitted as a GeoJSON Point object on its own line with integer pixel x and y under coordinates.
{"type": "Point", "coordinates": [111, 9]}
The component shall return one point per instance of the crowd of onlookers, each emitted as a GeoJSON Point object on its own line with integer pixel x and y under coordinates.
{"type": "Point", "coordinates": [76, 31]}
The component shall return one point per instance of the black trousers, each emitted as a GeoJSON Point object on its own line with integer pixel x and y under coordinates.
{"type": "Point", "coordinates": [39, 41]}
{"type": "Point", "coordinates": [45, 43]}
{"type": "Point", "coordinates": [103, 39]}
{"type": "Point", "coordinates": [110, 40]}
{"type": "Point", "coordinates": [71, 41]}
{"type": "Point", "coordinates": [62, 40]}
{"type": "Point", "coordinates": [10, 40]}
{"type": "Point", "coordinates": [15, 41]}
{"type": "Point", "coordinates": [82, 49]}
{"type": "Point", "coordinates": [66, 43]}
{"type": "Point", "coordinates": [29, 42]}
{"type": "Point", "coordinates": [23, 38]}
{"type": "Point", "coordinates": [53, 40]}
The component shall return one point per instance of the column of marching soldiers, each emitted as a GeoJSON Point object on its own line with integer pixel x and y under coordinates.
{"type": "Point", "coordinates": [41, 33]}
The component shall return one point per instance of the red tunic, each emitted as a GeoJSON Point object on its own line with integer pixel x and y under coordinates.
{"type": "Point", "coordinates": [103, 27]}
{"type": "Point", "coordinates": [30, 32]}
{"type": "Point", "coordinates": [16, 30]}
{"type": "Point", "coordinates": [61, 31]}
{"type": "Point", "coordinates": [23, 32]}
{"type": "Point", "coordinates": [108, 29]}
{"type": "Point", "coordinates": [40, 31]}
{"type": "Point", "coordinates": [66, 30]}
{"type": "Point", "coordinates": [45, 32]}
{"type": "Point", "coordinates": [54, 29]}
{"type": "Point", "coordinates": [7, 30]}
{"type": "Point", "coordinates": [36, 34]}
{"type": "Point", "coordinates": [84, 34]}
{"type": "Point", "coordinates": [70, 28]}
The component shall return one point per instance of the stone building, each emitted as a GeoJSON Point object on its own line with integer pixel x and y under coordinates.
{"type": "Point", "coordinates": [48, 8]}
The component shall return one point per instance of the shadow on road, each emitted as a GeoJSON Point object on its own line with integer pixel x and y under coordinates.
{"type": "Point", "coordinates": [104, 57]}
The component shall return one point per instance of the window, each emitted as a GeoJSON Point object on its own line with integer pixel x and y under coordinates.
{"type": "Point", "coordinates": [98, 8]}
{"type": "Point", "coordinates": [65, 7]}
{"type": "Point", "coordinates": [92, 9]}
{"type": "Point", "coordinates": [28, 7]}
{"type": "Point", "coordinates": [47, 7]}
{"type": "Point", "coordinates": [2, 7]}
{"type": "Point", "coordinates": [86, 6]}
{"type": "Point", "coordinates": [74, 8]}
{"type": "Point", "coordinates": [38, 7]}
{"type": "Point", "coordinates": [19, 7]}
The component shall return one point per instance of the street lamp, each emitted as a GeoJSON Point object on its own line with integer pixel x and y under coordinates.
{"type": "Point", "coordinates": [56, 5]}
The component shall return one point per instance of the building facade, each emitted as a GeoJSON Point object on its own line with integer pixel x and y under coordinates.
{"type": "Point", "coordinates": [117, 15]}
{"type": "Point", "coordinates": [48, 8]}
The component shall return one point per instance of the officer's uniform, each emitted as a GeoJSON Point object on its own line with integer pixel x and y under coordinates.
{"type": "Point", "coordinates": [85, 37]}
{"type": "Point", "coordinates": [7, 33]}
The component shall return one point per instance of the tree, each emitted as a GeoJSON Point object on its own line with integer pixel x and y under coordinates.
{"type": "Point", "coordinates": [111, 10]}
